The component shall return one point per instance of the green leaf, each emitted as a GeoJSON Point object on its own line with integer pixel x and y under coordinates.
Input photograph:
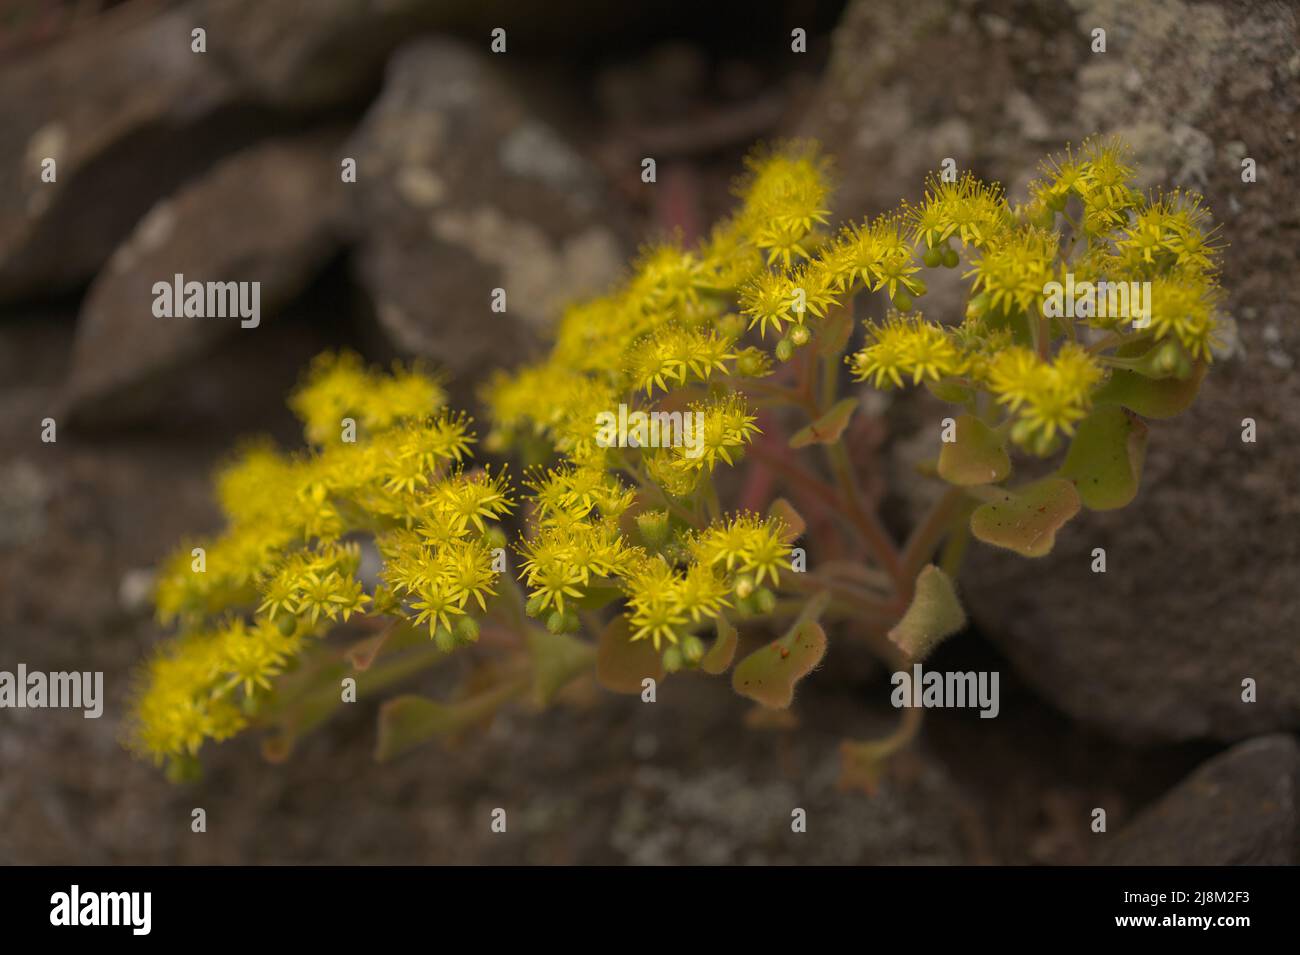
{"type": "Point", "coordinates": [407, 721]}
{"type": "Point", "coordinates": [768, 675]}
{"type": "Point", "coordinates": [934, 613]}
{"type": "Point", "coordinates": [1151, 398]}
{"type": "Point", "coordinates": [828, 428]}
{"type": "Point", "coordinates": [977, 456]}
{"type": "Point", "coordinates": [621, 664]}
{"type": "Point", "coordinates": [557, 659]}
{"type": "Point", "coordinates": [1026, 520]}
{"type": "Point", "coordinates": [1105, 458]}
{"type": "Point", "coordinates": [723, 650]}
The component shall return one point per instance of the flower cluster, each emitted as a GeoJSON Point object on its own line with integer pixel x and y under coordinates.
{"type": "Point", "coordinates": [387, 467]}
{"type": "Point", "coordinates": [1088, 296]}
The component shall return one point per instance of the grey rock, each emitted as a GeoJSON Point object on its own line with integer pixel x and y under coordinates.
{"type": "Point", "coordinates": [267, 215]}
{"type": "Point", "coordinates": [461, 191]}
{"type": "Point", "coordinates": [129, 111]}
{"type": "Point", "coordinates": [1200, 589]}
{"type": "Point", "coordinates": [121, 109]}
{"type": "Point", "coordinates": [1239, 808]}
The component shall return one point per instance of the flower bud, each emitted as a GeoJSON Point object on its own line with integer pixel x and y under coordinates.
{"type": "Point", "coordinates": [800, 335]}
{"type": "Point", "coordinates": [467, 630]}
{"type": "Point", "coordinates": [784, 350]}
{"type": "Point", "coordinates": [752, 363]}
{"type": "Point", "coordinates": [693, 648]}
{"type": "Point", "coordinates": [444, 638]}
{"type": "Point", "coordinates": [654, 527]}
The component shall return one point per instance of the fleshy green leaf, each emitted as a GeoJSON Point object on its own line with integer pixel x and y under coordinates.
{"type": "Point", "coordinates": [407, 721]}
{"type": "Point", "coordinates": [723, 650]}
{"type": "Point", "coordinates": [1026, 520]}
{"type": "Point", "coordinates": [621, 665]}
{"type": "Point", "coordinates": [768, 675]}
{"type": "Point", "coordinates": [557, 659]}
{"type": "Point", "coordinates": [977, 456]}
{"type": "Point", "coordinates": [828, 428]}
{"type": "Point", "coordinates": [935, 613]}
{"type": "Point", "coordinates": [1105, 458]}
{"type": "Point", "coordinates": [1151, 398]}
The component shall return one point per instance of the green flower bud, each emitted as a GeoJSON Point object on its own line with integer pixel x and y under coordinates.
{"type": "Point", "coordinates": [784, 349]}
{"type": "Point", "coordinates": [752, 363]}
{"type": "Point", "coordinates": [764, 600]}
{"type": "Point", "coordinates": [286, 623]}
{"type": "Point", "coordinates": [800, 335]}
{"type": "Point", "coordinates": [566, 622]}
{"type": "Point", "coordinates": [467, 630]}
{"type": "Point", "coordinates": [535, 605]}
{"type": "Point", "coordinates": [933, 256]}
{"type": "Point", "coordinates": [673, 659]}
{"type": "Point", "coordinates": [902, 301]}
{"type": "Point", "coordinates": [654, 527]}
{"type": "Point", "coordinates": [950, 258]}
{"type": "Point", "coordinates": [693, 648]}
{"type": "Point", "coordinates": [744, 586]}
{"type": "Point", "coordinates": [444, 638]}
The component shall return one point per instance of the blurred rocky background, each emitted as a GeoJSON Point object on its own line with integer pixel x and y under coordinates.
{"type": "Point", "coordinates": [522, 170]}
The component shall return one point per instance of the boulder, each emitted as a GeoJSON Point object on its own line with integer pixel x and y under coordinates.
{"type": "Point", "coordinates": [461, 190]}
{"type": "Point", "coordinates": [1199, 593]}
{"type": "Point", "coordinates": [268, 215]}
{"type": "Point", "coordinates": [1239, 808]}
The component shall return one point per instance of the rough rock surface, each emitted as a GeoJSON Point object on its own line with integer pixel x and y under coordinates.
{"type": "Point", "coordinates": [1200, 589]}
{"type": "Point", "coordinates": [128, 110]}
{"type": "Point", "coordinates": [267, 215]}
{"type": "Point", "coordinates": [104, 104]}
{"type": "Point", "coordinates": [461, 191]}
{"type": "Point", "coordinates": [1240, 808]}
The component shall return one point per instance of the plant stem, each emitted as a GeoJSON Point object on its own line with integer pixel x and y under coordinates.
{"type": "Point", "coordinates": [925, 538]}
{"type": "Point", "coordinates": [877, 538]}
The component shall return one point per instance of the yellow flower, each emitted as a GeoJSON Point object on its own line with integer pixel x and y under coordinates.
{"type": "Point", "coordinates": [904, 346]}
{"type": "Point", "coordinates": [1047, 397]}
